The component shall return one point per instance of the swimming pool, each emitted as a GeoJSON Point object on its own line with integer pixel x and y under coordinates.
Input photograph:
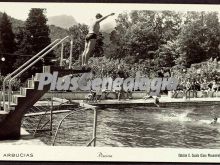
{"type": "Point", "coordinates": [147, 127]}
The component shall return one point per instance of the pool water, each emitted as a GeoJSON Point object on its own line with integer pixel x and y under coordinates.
{"type": "Point", "coordinates": [147, 127]}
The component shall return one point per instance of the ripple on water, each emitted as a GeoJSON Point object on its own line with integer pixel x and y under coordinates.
{"type": "Point", "coordinates": [140, 127]}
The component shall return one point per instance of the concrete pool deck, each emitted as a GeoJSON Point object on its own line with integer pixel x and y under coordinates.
{"type": "Point", "coordinates": [26, 139]}
{"type": "Point", "coordinates": [164, 102]}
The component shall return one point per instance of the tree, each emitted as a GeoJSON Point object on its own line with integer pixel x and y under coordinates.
{"type": "Point", "coordinates": [166, 54]}
{"type": "Point", "coordinates": [98, 50]}
{"type": "Point", "coordinates": [136, 35]}
{"type": "Point", "coordinates": [37, 31]}
{"type": "Point", "coordinates": [169, 25]}
{"type": "Point", "coordinates": [35, 37]}
{"type": "Point", "coordinates": [212, 35]}
{"type": "Point", "coordinates": [7, 43]}
{"type": "Point", "coordinates": [200, 37]}
{"type": "Point", "coordinates": [117, 48]}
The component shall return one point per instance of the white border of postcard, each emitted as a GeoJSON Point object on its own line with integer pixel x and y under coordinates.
{"type": "Point", "coordinates": [66, 153]}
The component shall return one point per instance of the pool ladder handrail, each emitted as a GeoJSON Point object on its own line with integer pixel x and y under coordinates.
{"type": "Point", "coordinates": [31, 62]}
{"type": "Point", "coordinates": [94, 128]}
{"type": "Point", "coordinates": [20, 68]}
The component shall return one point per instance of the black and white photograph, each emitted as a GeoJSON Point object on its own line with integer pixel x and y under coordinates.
{"type": "Point", "coordinates": [105, 78]}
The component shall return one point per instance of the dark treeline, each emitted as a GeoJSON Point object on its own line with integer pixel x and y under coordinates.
{"type": "Point", "coordinates": [28, 41]}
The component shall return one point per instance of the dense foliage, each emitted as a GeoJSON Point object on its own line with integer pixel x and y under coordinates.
{"type": "Point", "coordinates": [16, 84]}
{"type": "Point", "coordinates": [7, 44]}
{"type": "Point", "coordinates": [165, 38]}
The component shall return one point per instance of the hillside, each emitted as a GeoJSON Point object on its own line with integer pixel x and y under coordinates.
{"type": "Point", "coordinates": [63, 21]}
{"type": "Point", "coordinates": [55, 32]}
{"type": "Point", "coordinates": [15, 22]}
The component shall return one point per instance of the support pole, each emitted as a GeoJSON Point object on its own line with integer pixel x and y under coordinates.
{"type": "Point", "coordinates": [51, 116]}
{"type": "Point", "coordinates": [94, 127]}
{"type": "Point", "coordinates": [71, 53]}
{"type": "Point", "coordinates": [9, 96]}
{"type": "Point", "coordinates": [0, 99]}
{"type": "Point", "coordinates": [1, 94]}
{"type": "Point", "coordinates": [61, 55]}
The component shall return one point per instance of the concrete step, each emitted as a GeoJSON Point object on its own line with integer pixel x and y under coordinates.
{"type": "Point", "coordinates": [30, 84]}
{"type": "Point", "coordinates": [3, 115]}
{"type": "Point", "coordinates": [33, 84]}
{"type": "Point", "coordinates": [37, 76]}
{"type": "Point", "coordinates": [11, 108]}
{"type": "Point", "coordinates": [63, 71]}
{"type": "Point", "coordinates": [16, 98]}
{"type": "Point", "coordinates": [46, 69]}
{"type": "Point", "coordinates": [23, 90]}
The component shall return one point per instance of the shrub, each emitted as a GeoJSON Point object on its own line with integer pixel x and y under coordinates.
{"type": "Point", "coordinates": [15, 84]}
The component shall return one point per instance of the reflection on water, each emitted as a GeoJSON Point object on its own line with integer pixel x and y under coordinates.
{"type": "Point", "coordinates": [141, 127]}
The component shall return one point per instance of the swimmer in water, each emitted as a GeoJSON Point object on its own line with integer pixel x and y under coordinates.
{"type": "Point", "coordinates": [214, 120]}
{"type": "Point", "coordinates": [172, 115]}
{"type": "Point", "coordinates": [157, 102]}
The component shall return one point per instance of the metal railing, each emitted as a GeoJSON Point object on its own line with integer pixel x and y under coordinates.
{"type": "Point", "coordinates": [93, 141]}
{"type": "Point", "coordinates": [21, 67]}
{"type": "Point", "coordinates": [41, 111]}
{"type": "Point", "coordinates": [41, 117]}
{"type": "Point", "coordinates": [1, 95]}
{"type": "Point", "coordinates": [29, 64]}
{"type": "Point", "coordinates": [60, 123]}
{"type": "Point", "coordinates": [94, 129]}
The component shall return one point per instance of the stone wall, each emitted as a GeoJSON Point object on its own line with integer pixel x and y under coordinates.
{"type": "Point", "coordinates": [80, 95]}
{"type": "Point", "coordinates": [199, 94]}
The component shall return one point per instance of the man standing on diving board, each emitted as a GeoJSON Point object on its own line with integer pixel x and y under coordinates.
{"type": "Point", "coordinates": [91, 37]}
